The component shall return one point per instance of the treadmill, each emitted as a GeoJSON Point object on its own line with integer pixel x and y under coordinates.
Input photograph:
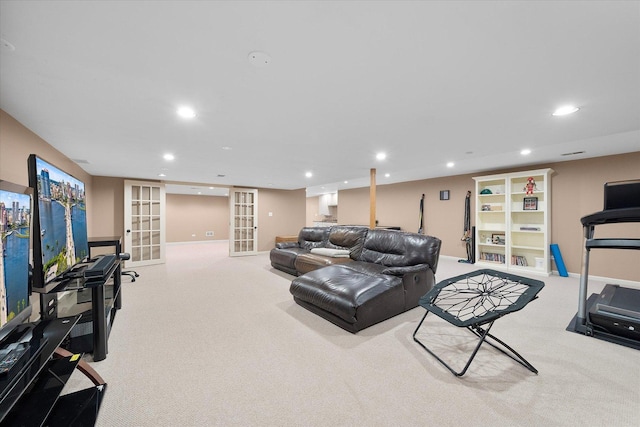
{"type": "Point", "coordinates": [614, 314]}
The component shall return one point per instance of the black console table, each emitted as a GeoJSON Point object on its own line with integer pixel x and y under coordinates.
{"type": "Point", "coordinates": [115, 242]}
{"type": "Point", "coordinates": [30, 392]}
{"type": "Point", "coordinates": [105, 301]}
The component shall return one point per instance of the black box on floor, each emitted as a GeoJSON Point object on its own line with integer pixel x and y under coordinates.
{"type": "Point", "coordinates": [616, 311]}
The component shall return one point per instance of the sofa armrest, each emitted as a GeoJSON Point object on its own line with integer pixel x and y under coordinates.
{"type": "Point", "coordinates": [401, 271]}
{"type": "Point", "coordinates": [286, 245]}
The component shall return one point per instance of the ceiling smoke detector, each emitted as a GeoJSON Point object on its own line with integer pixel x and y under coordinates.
{"type": "Point", "coordinates": [6, 45]}
{"type": "Point", "coordinates": [259, 59]}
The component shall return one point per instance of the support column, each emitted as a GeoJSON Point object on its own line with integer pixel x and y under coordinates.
{"type": "Point", "coordinates": [372, 200]}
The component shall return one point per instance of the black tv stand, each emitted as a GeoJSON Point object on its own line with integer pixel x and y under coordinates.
{"type": "Point", "coordinates": [98, 314]}
{"type": "Point", "coordinates": [30, 393]}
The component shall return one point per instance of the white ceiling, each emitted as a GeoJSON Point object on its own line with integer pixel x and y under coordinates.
{"type": "Point", "coordinates": [471, 82]}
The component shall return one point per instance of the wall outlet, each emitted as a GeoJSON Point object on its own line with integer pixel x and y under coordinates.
{"type": "Point", "coordinates": [208, 233]}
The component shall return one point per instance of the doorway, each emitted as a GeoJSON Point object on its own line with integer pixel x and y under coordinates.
{"type": "Point", "coordinates": [144, 222]}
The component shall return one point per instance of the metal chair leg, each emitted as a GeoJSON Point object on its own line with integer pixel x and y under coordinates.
{"type": "Point", "coordinates": [482, 334]}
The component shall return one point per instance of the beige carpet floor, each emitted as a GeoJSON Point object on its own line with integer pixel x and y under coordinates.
{"type": "Point", "coordinates": [209, 340]}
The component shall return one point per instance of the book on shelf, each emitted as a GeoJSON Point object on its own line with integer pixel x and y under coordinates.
{"type": "Point", "coordinates": [492, 257]}
{"type": "Point", "coordinates": [519, 260]}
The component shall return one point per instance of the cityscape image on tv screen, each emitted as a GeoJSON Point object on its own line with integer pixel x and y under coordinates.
{"type": "Point", "coordinates": [15, 214]}
{"type": "Point", "coordinates": [62, 219]}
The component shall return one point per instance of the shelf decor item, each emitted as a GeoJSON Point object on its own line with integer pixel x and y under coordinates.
{"type": "Point", "coordinates": [530, 204]}
{"type": "Point", "coordinates": [498, 239]}
{"type": "Point", "coordinates": [530, 187]}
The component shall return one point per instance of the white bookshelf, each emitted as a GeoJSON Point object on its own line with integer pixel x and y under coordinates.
{"type": "Point", "coordinates": [510, 235]}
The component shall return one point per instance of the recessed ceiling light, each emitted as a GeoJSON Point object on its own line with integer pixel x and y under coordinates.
{"type": "Point", "coordinates": [161, 174]}
{"type": "Point", "coordinates": [450, 164]}
{"type": "Point", "coordinates": [186, 112]}
{"type": "Point", "coordinates": [346, 182]}
{"type": "Point", "coordinates": [381, 156]}
{"type": "Point", "coordinates": [226, 148]}
{"type": "Point", "coordinates": [308, 174]}
{"type": "Point", "coordinates": [169, 156]}
{"type": "Point", "coordinates": [567, 109]}
{"type": "Point", "coordinates": [525, 152]}
{"type": "Point", "coordinates": [387, 175]}
{"type": "Point", "coordinates": [211, 188]}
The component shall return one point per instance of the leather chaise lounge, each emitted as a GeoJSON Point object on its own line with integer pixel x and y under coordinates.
{"type": "Point", "coordinates": [384, 278]}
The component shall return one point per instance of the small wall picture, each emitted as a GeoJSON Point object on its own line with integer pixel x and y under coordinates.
{"type": "Point", "coordinates": [530, 204]}
{"type": "Point", "coordinates": [444, 195]}
{"type": "Point", "coordinates": [498, 239]}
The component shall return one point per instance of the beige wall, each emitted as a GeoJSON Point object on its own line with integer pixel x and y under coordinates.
{"type": "Point", "coordinates": [189, 217]}
{"type": "Point", "coordinates": [17, 142]}
{"type": "Point", "coordinates": [288, 208]}
{"type": "Point", "coordinates": [108, 208]}
{"type": "Point", "coordinates": [576, 191]}
{"type": "Point", "coordinates": [313, 205]}
{"type": "Point", "coordinates": [398, 205]}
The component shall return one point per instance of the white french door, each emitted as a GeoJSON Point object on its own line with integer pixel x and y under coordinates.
{"type": "Point", "coordinates": [243, 232]}
{"type": "Point", "coordinates": [144, 222]}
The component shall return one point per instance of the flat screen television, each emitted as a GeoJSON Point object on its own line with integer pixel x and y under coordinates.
{"type": "Point", "coordinates": [59, 221]}
{"type": "Point", "coordinates": [15, 222]}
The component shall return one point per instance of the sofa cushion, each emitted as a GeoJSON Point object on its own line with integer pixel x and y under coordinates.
{"type": "Point", "coordinates": [347, 237]}
{"type": "Point", "coordinates": [332, 253]}
{"type": "Point", "coordinates": [285, 257]}
{"type": "Point", "coordinates": [308, 262]}
{"type": "Point", "coordinates": [397, 249]}
{"type": "Point", "coordinates": [313, 237]}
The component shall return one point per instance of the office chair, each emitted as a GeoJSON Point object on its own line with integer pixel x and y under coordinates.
{"type": "Point", "coordinates": [131, 273]}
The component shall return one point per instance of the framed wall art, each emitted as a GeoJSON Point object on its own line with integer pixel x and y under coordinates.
{"type": "Point", "coordinates": [530, 204]}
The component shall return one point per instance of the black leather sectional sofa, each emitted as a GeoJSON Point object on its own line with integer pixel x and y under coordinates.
{"type": "Point", "coordinates": [384, 275]}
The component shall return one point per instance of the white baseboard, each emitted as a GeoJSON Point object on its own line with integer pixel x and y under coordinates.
{"type": "Point", "coordinates": [197, 242]}
{"type": "Point", "coordinates": [577, 276]}
{"type": "Point", "coordinates": [605, 279]}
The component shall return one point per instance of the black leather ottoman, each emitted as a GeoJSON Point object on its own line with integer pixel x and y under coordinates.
{"type": "Point", "coordinates": [350, 298]}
